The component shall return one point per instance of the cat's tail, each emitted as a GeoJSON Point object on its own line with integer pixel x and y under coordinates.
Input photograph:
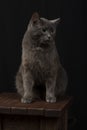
{"type": "Point", "coordinates": [19, 82]}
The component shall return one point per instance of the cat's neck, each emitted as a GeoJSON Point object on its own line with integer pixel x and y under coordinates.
{"type": "Point", "coordinates": [42, 46]}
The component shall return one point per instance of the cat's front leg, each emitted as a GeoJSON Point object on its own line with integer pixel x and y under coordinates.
{"type": "Point", "coordinates": [28, 84]}
{"type": "Point", "coordinates": [50, 90]}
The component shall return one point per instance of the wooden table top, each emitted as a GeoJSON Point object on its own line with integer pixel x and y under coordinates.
{"type": "Point", "coordinates": [10, 104]}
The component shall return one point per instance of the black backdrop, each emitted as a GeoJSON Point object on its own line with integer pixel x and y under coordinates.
{"type": "Point", "coordinates": [70, 42]}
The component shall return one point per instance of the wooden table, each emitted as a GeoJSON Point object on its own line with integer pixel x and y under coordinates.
{"type": "Point", "coordinates": [40, 115]}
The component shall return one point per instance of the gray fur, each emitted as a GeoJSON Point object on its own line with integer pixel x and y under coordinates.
{"type": "Point", "coordinates": [40, 65]}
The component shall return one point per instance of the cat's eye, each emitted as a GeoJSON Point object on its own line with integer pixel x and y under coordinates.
{"type": "Point", "coordinates": [44, 29]}
{"type": "Point", "coordinates": [52, 30]}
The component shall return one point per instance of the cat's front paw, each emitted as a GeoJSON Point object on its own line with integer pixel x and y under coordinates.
{"type": "Point", "coordinates": [51, 99]}
{"type": "Point", "coordinates": [26, 100]}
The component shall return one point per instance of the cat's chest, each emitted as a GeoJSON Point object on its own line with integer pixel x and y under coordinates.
{"type": "Point", "coordinates": [39, 65]}
{"type": "Point", "coordinates": [39, 60]}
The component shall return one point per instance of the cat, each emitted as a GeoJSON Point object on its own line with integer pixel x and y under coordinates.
{"type": "Point", "coordinates": [40, 74]}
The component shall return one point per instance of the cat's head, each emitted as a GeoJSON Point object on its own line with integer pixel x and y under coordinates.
{"type": "Point", "coordinates": [42, 30]}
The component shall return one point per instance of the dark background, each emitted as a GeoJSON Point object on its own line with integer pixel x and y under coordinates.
{"type": "Point", "coordinates": [70, 42]}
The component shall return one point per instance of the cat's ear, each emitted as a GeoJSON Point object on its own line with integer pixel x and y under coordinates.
{"type": "Point", "coordinates": [35, 18]}
{"type": "Point", "coordinates": [55, 21]}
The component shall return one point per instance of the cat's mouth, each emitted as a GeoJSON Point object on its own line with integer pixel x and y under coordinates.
{"type": "Point", "coordinates": [44, 44]}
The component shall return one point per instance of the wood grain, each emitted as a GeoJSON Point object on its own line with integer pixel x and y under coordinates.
{"type": "Point", "coordinates": [10, 103]}
{"type": "Point", "coordinates": [38, 115]}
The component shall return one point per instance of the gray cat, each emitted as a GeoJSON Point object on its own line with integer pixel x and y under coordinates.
{"type": "Point", "coordinates": [40, 74]}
